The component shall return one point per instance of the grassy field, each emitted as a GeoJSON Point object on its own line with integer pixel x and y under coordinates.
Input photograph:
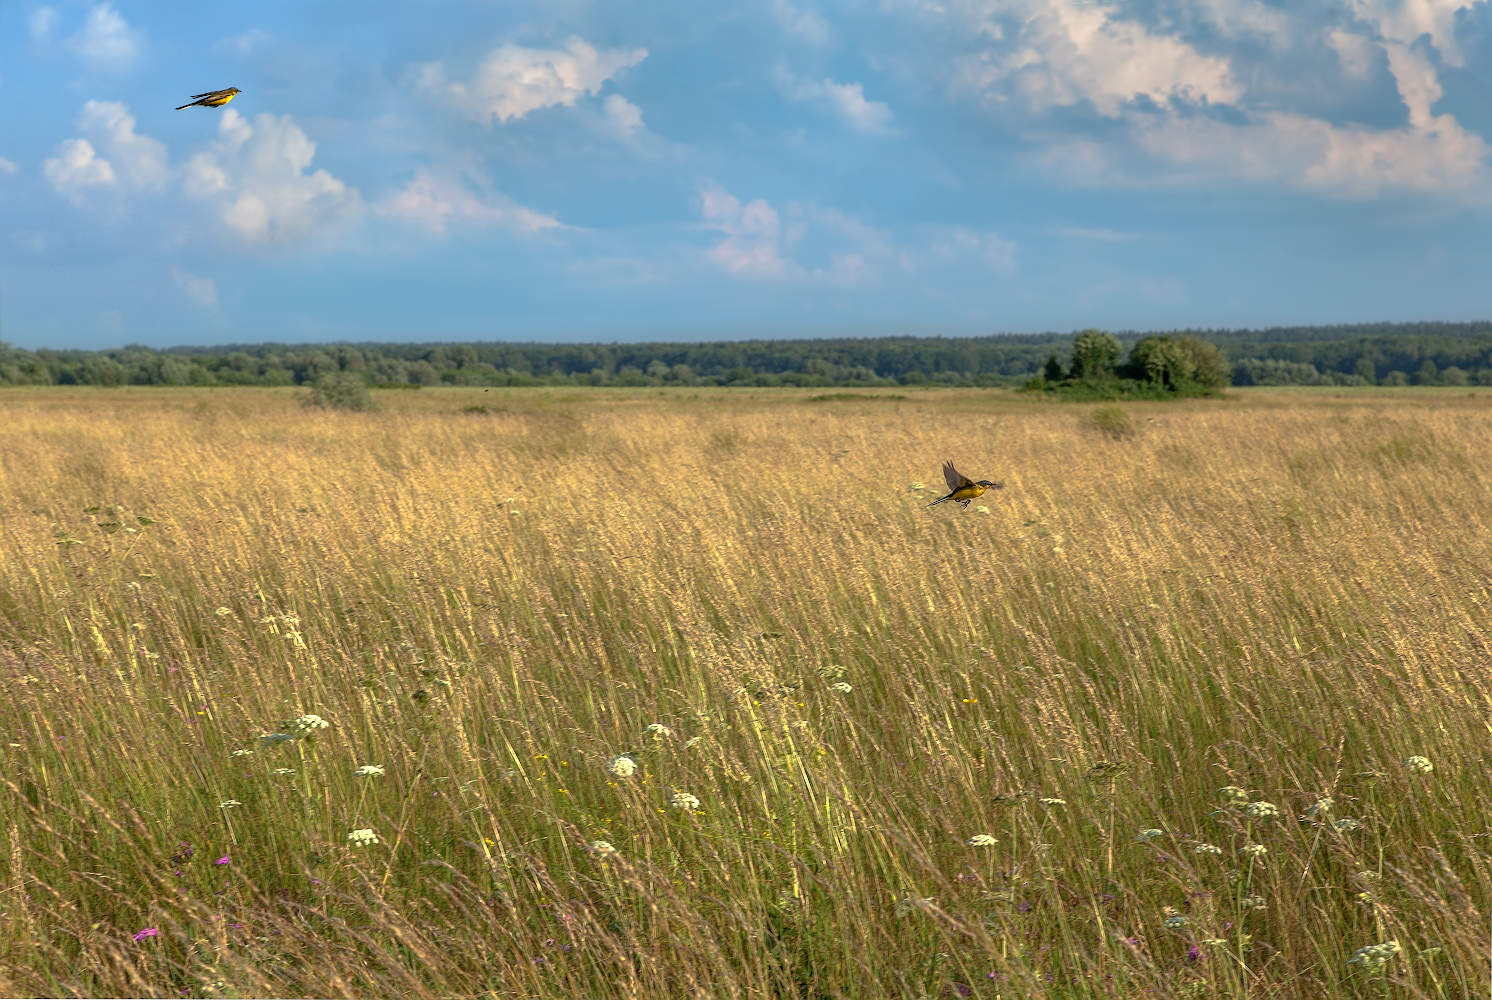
{"type": "Point", "coordinates": [823, 692]}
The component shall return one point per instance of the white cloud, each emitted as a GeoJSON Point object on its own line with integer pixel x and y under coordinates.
{"type": "Point", "coordinates": [202, 291]}
{"type": "Point", "coordinates": [107, 43]}
{"type": "Point", "coordinates": [514, 81]}
{"type": "Point", "coordinates": [752, 232]}
{"type": "Point", "coordinates": [256, 175]}
{"type": "Point", "coordinates": [847, 100]}
{"type": "Point", "coordinates": [42, 22]}
{"type": "Point", "coordinates": [248, 41]}
{"type": "Point", "coordinates": [129, 159]}
{"type": "Point", "coordinates": [437, 201]}
{"type": "Point", "coordinates": [757, 240]}
{"type": "Point", "coordinates": [1160, 89]}
{"type": "Point", "coordinates": [75, 169]}
{"type": "Point", "coordinates": [804, 23]}
{"type": "Point", "coordinates": [623, 118]}
{"type": "Point", "coordinates": [7, 166]}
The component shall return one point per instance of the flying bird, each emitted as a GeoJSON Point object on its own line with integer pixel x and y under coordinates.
{"type": "Point", "coordinates": [213, 98]}
{"type": "Point", "coordinates": [962, 488]}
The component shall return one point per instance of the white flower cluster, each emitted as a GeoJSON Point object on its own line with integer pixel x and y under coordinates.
{"type": "Point", "coordinates": [1261, 810]}
{"type": "Point", "coordinates": [362, 838]}
{"type": "Point", "coordinates": [1207, 849]}
{"type": "Point", "coordinates": [841, 687]}
{"type": "Point", "coordinates": [369, 771]}
{"type": "Point", "coordinates": [308, 724]}
{"type": "Point", "coordinates": [241, 753]}
{"type": "Point", "coordinates": [1346, 825]}
{"type": "Point", "coordinates": [1374, 955]}
{"type": "Point", "coordinates": [283, 770]}
{"type": "Point", "coordinates": [1419, 765]}
{"type": "Point", "coordinates": [622, 767]}
{"type": "Point", "coordinates": [683, 800]}
{"type": "Point", "coordinates": [981, 840]}
{"type": "Point", "coordinates": [1176, 922]}
{"type": "Point", "coordinates": [1321, 808]}
{"type": "Point", "coordinates": [658, 731]}
{"type": "Point", "coordinates": [602, 847]}
{"type": "Point", "coordinates": [1233, 794]}
{"type": "Point", "coordinates": [229, 804]}
{"type": "Point", "coordinates": [1146, 835]}
{"type": "Point", "coordinates": [1052, 802]}
{"type": "Point", "coordinates": [1253, 850]}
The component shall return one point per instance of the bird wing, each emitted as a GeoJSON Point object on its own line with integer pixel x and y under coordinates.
{"type": "Point", "coordinates": [955, 479]}
{"type": "Point", "coordinates": [210, 93]}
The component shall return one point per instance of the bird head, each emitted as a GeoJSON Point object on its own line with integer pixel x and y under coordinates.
{"type": "Point", "coordinates": [990, 486]}
{"type": "Point", "coordinates": [234, 90]}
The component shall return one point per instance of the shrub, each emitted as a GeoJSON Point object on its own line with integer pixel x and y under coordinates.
{"type": "Point", "coordinates": [340, 391]}
{"type": "Point", "coordinates": [1094, 355]}
{"type": "Point", "coordinates": [1185, 365]}
{"type": "Point", "coordinates": [1112, 422]}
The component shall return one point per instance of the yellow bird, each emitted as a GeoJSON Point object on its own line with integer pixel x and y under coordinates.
{"type": "Point", "coordinates": [213, 98]}
{"type": "Point", "coordinates": [963, 489]}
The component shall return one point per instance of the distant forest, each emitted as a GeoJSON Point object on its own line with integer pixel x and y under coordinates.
{"type": "Point", "coordinates": [1365, 354]}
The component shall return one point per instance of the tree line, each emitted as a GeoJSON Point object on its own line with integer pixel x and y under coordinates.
{"type": "Point", "coordinates": [1395, 354]}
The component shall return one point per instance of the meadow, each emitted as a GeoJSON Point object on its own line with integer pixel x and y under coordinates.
{"type": "Point", "coordinates": [684, 693]}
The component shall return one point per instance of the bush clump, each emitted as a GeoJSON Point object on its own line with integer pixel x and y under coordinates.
{"type": "Point", "coordinates": [340, 391]}
{"type": "Point", "coordinates": [1166, 367]}
{"type": "Point", "coordinates": [1112, 422]}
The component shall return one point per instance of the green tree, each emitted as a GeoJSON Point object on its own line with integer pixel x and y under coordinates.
{"type": "Point", "coordinates": [340, 391]}
{"type": "Point", "coordinates": [1053, 370]}
{"type": "Point", "coordinates": [1367, 370]}
{"type": "Point", "coordinates": [1094, 355]}
{"type": "Point", "coordinates": [1428, 374]}
{"type": "Point", "coordinates": [1181, 364]}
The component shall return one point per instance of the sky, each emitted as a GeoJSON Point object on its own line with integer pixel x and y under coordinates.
{"type": "Point", "coordinates": [663, 170]}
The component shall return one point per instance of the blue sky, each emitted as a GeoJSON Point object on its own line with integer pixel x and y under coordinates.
{"type": "Point", "coordinates": [676, 170]}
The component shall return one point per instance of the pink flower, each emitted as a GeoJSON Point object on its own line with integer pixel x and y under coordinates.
{"type": "Point", "coordinates": [221, 861]}
{"type": "Point", "coordinates": [147, 932]}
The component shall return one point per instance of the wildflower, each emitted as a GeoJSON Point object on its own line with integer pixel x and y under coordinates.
{"type": "Point", "coordinates": [369, 771]}
{"type": "Point", "coordinates": [222, 861]}
{"type": "Point", "coordinates": [1419, 765]}
{"type": "Point", "coordinates": [1233, 794]}
{"type": "Point", "coordinates": [1369, 876]}
{"type": "Point", "coordinates": [1261, 810]}
{"type": "Point", "coordinates": [229, 804]}
{"type": "Point", "coordinates": [147, 933]}
{"type": "Point", "coordinates": [841, 687]}
{"type": "Point", "coordinates": [622, 767]}
{"type": "Point", "coordinates": [1052, 802]}
{"type": "Point", "coordinates": [1346, 825]}
{"type": "Point", "coordinates": [658, 731]}
{"type": "Point", "coordinates": [1253, 903]}
{"type": "Point", "coordinates": [981, 509]}
{"type": "Point", "coordinates": [912, 903]}
{"type": "Point", "coordinates": [602, 847]}
{"type": "Point", "coordinates": [308, 724]}
{"type": "Point", "coordinates": [1253, 850]}
{"type": "Point", "coordinates": [1207, 849]}
{"type": "Point", "coordinates": [1321, 808]}
{"type": "Point", "coordinates": [241, 753]}
{"type": "Point", "coordinates": [1374, 955]}
{"type": "Point", "coordinates": [362, 838]}
{"type": "Point", "coordinates": [1176, 922]}
{"type": "Point", "coordinates": [683, 800]}
{"type": "Point", "coordinates": [223, 612]}
{"type": "Point", "coordinates": [696, 741]}
{"type": "Point", "coordinates": [915, 487]}
{"type": "Point", "coordinates": [831, 671]}
{"type": "Point", "coordinates": [283, 770]}
{"type": "Point", "coordinates": [1146, 835]}
{"type": "Point", "coordinates": [981, 840]}
{"type": "Point", "coordinates": [274, 739]}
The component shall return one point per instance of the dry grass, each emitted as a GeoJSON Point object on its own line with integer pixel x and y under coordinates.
{"type": "Point", "coordinates": [1284, 592]}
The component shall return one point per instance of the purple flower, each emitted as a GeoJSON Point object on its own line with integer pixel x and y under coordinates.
{"type": "Point", "coordinates": [1193, 955]}
{"type": "Point", "coordinates": [221, 861]}
{"type": "Point", "coordinates": [147, 932]}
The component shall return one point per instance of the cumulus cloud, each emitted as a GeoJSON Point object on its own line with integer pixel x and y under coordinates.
{"type": "Point", "coordinates": [257, 176]}
{"type": "Point", "coordinates": [438, 200]}
{"type": "Point", "coordinates": [514, 81]}
{"type": "Point", "coordinates": [129, 160]}
{"type": "Point", "coordinates": [106, 42]}
{"type": "Point", "coordinates": [202, 291]}
{"type": "Point", "coordinates": [1187, 103]}
{"type": "Point", "coordinates": [845, 100]}
{"type": "Point", "coordinates": [758, 242]}
{"type": "Point", "coordinates": [7, 166]}
{"type": "Point", "coordinates": [623, 118]}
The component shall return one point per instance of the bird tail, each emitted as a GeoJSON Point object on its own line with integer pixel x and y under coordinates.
{"type": "Point", "coordinates": [186, 106]}
{"type": "Point", "coordinates": [940, 500]}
